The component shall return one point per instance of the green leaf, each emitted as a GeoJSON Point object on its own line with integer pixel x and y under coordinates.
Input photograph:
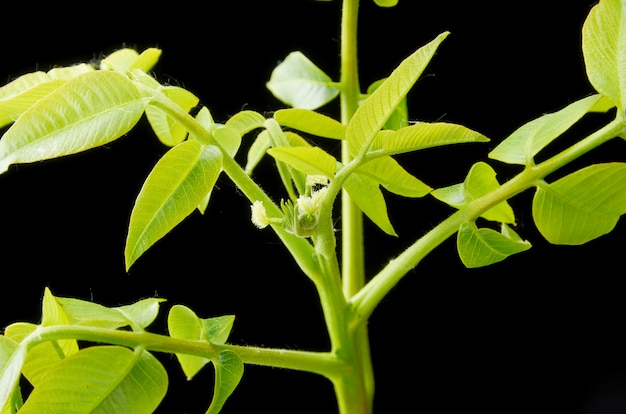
{"type": "Point", "coordinates": [166, 128]}
{"type": "Point", "coordinates": [101, 379]}
{"type": "Point", "coordinates": [365, 192]}
{"type": "Point", "coordinates": [480, 181]}
{"type": "Point", "coordinates": [421, 136]}
{"type": "Point", "coordinates": [172, 191]}
{"type": "Point", "coordinates": [146, 60]}
{"type": "Point", "coordinates": [308, 160]}
{"type": "Point", "coordinates": [386, 3]}
{"type": "Point", "coordinates": [297, 82]}
{"type": "Point", "coordinates": [246, 121]}
{"type": "Point", "coordinates": [310, 122]}
{"type": "Point", "coordinates": [20, 94]}
{"type": "Point", "coordinates": [374, 112]}
{"type": "Point", "coordinates": [257, 151]}
{"type": "Point", "coordinates": [228, 373]}
{"type": "Point", "coordinates": [12, 357]}
{"type": "Point", "coordinates": [120, 61]}
{"type": "Point", "coordinates": [482, 247]}
{"type": "Point", "coordinates": [526, 142]}
{"type": "Point", "coordinates": [88, 111]}
{"type": "Point", "coordinates": [581, 206]}
{"type": "Point", "coordinates": [400, 116]}
{"type": "Point", "coordinates": [183, 323]}
{"type": "Point", "coordinates": [604, 49]}
{"type": "Point", "coordinates": [387, 172]}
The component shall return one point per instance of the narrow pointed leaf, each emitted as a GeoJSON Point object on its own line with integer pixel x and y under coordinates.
{"type": "Point", "coordinates": [581, 206]}
{"type": "Point", "coordinates": [365, 192]}
{"type": "Point", "coordinates": [311, 122]}
{"type": "Point", "coordinates": [604, 49]}
{"type": "Point", "coordinates": [378, 107]}
{"type": "Point", "coordinates": [146, 59]}
{"type": "Point", "coordinates": [86, 112]}
{"type": "Point", "coordinates": [482, 247]}
{"type": "Point", "coordinates": [299, 83]}
{"type": "Point", "coordinates": [172, 191]}
{"type": "Point", "coordinates": [308, 160]}
{"type": "Point", "coordinates": [12, 357]}
{"type": "Point", "coordinates": [394, 178]}
{"type": "Point", "coordinates": [257, 151]}
{"type": "Point", "coordinates": [400, 116]}
{"type": "Point", "coordinates": [421, 136]}
{"type": "Point", "coordinates": [526, 142]}
{"type": "Point", "coordinates": [228, 373]}
{"type": "Point", "coordinates": [101, 379]}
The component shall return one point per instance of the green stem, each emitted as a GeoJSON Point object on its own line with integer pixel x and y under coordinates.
{"type": "Point", "coordinates": [323, 363]}
{"type": "Point", "coordinates": [371, 295]}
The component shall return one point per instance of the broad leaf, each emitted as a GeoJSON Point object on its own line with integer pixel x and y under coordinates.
{"type": "Point", "coordinates": [12, 357]}
{"type": "Point", "coordinates": [311, 122]}
{"type": "Point", "coordinates": [480, 181]}
{"type": "Point", "coordinates": [526, 142]}
{"type": "Point", "coordinates": [300, 84]}
{"type": "Point", "coordinates": [482, 247]}
{"type": "Point", "coordinates": [604, 49]}
{"type": "Point", "coordinates": [166, 128]}
{"type": "Point", "coordinates": [86, 112]}
{"type": "Point", "coordinates": [365, 192]}
{"type": "Point", "coordinates": [378, 107]}
{"type": "Point", "coordinates": [308, 160]}
{"type": "Point", "coordinates": [400, 116]}
{"type": "Point", "coordinates": [183, 323]}
{"type": "Point", "coordinates": [581, 206]}
{"type": "Point", "coordinates": [174, 188]}
{"type": "Point", "coordinates": [421, 136]}
{"type": "Point", "coordinates": [228, 373]}
{"type": "Point", "coordinates": [101, 379]}
{"type": "Point", "coordinates": [20, 94]}
{"type": "Point", "coordinates": [388, 173]}
{"type": "Point", "coordinates": [245, 121]}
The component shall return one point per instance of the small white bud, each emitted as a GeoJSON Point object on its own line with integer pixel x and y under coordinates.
{"type": "Point", "coordinates": [259, 215]}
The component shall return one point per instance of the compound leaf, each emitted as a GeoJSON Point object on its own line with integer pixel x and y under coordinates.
{"type": "Point", "coordinates": [101, 379]}
{"type": "Point", "coordinates": [581, 206]}
{"type": "Point", "coordinates": [175, 187]}
{"type": "Point", "coordinates": [87, 111]}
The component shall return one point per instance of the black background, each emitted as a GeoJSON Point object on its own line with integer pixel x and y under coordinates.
{"type": "Point", "coordinates": [540, 332]}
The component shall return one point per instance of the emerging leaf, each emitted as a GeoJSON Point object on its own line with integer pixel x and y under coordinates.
{"type": "Point", "coordinates": [300, 84]}
{"type": "Point", "coordinates": [581, 206]}
{"type": "Point", "coordinates": [245, 121]}
{"type": "Point", "coordinates": [175, 187]}
{"type": "Point", "coordinates": [228, 373]}
{"type": "Point", "coordinates": [106, 379]}
{"type": "Point", "coordinates": [166, 128]}
{"type": "Point", "coordinates": [88, 111]}
{"type": "Point", "coordinates": [604, 50]}
{"type": "Point", "coordinates": [482, 247]}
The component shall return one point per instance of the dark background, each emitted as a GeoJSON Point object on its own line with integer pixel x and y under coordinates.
{"type": "Point", "coordinates": [540, 332]}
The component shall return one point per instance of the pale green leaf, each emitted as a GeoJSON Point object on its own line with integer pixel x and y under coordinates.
{"type": "Point", "coordinates": [20, 94]}
{"type": "Point", "coordinates": [228, 373]}
{"type": "Point", "coordinates": [400, 116]}
{"type": "Point", "coordinates": [421, 136]}
{"type": "Point", "coordinates": [172, 191]}
{"type": "Point", "coordinates": [387, 172]}
{"type": "Point", "coordinates": [308, 160]}
{"type": "Point", "coordinates": [69, 72]}
{"type": "Point", "coordinates": [12, 357]}
{"type": "Point", "coordinates": [246, 121]}
{"type": "Point", "coordinates": [121, 60]}
{"type": "Point", "coordinates": [581, 206]}
{"type": "Point", "coordinates": [480, 181]}
{"type": "Point", "coordinates": [526, 142]}
{"type": "Point", "coordinates": [374, 112]}
{"type": "Point", "coordinates": [228, 138]}
{"type": "Point", "coordinates": [299, 83]}
{"type": "Point", "coordinates": [604, 49]}
{"type": "Point", "coordinates": [386, 3]}
{"type": "Point", "coordinates": [101, 380]}
{"type": "Point", "coordinates": [310, 122]}
{"type": "Point", "coordinates": [365, 192]}
{"type": "Point", "coordinates": [257, 151]}
{"type": "Point", "coordinates": [87, 111]}
{"type": "Point", "coordinates": [183, 323]}
{"type": "Point", "coordinates": [166, 128]}
{"type": "Point", "coordinates": [146, 60]}
{"type": "Point", "coordinates": [482, 247]}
